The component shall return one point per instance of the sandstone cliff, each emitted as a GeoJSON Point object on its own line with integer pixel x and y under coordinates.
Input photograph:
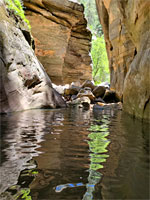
{"type": "Point", "coordinates": [62, 41]}
{"type": "Point", "coordinates": [23, 81]}
{"type": "Point", "coordinates": [126, 26]}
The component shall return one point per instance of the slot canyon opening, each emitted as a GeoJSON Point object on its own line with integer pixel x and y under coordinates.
{"type": "Point", "coordinates": [100, 63]}
{"type": "Point", "coordinates": [73, 141]}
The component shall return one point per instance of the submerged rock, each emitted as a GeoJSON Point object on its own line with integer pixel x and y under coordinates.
{"type": "Point", "coordinates": [110, 106]}
{"type": "Point", "coordinates": [83, 102]}
{"type": "Point", "coordinates": [23, 81]}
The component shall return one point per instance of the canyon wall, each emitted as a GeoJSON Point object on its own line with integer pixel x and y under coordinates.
{"type": "Point", "coordinates": [23, 81]}
{"type": "Point", "coordinates": [62, 41]}
{"type": "Point", "coordinates": [126, 26]}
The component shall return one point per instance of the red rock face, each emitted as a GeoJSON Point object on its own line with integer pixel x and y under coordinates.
{"type": "Point", "coordinates": [62, 41]}
{"type": "Point", "coordinates": [119, 45]}
{"type": "Point", "coordinates": [23, 82]}
{"type": "Point", "coordinates": [126, 26]}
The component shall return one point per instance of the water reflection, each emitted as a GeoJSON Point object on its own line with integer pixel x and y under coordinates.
{"type": "Point", "coordinates": [21, 135]}
{"type": "Point", "coordinates": [67, 154]}
{"type": "Point", "coordinates": [98, 147]}
{"type": "Point", "coordinates": [126, 173]}
{"type": "Point", "coordinates": [57, 145]}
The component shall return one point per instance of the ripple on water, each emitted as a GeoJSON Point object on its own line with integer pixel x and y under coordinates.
{"type": "Point", "coordinates": [74, 154]}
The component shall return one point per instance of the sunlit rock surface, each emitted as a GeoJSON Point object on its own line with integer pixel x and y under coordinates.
{"type": "Point", "coordinates": [126, 26]}
{"type": "Point", "coordinates": [23, 81]}
{"type": "Point", "coordinates": [62, 41]}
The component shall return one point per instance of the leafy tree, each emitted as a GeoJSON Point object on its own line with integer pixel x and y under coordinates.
{"type": "Point", "coordinates": [100, 70]}
{"type": "Point", "coordinates": [92, 16]}
{"type": "Point", "coordinates": [98, 51]}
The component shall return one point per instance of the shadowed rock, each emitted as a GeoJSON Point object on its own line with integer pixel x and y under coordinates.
{"type": "Point", "coordinates": [99, 91]}
{"type": "Point", "coordinates": [23, 81]}
{"type": "Point", "coordinates": [126, 26]}
{"type": "Point", "coordinates": [62, 40]}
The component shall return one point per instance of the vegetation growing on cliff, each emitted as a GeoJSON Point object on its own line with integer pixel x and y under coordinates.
{"type": "Point", "coordinates": [99, 55]}
{"type": "Point", "coordinates": [17, 7]}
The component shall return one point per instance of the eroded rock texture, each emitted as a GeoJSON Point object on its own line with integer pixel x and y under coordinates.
{"type": "Point", "coordinates": [23, 81]}
{"type": "Point", "coordinates": [126, 26]}
{"type": "Point", "coordinates": [62, 41]}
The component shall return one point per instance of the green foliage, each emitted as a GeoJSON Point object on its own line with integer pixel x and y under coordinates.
{"type": "Point", "coordinates": [25, 194]}
{"type": "Point", "coordinates": [100, 61]}
{"type": "Point", "coordinates": [34, 172]}
{"type": "Point", "coordinates": [98, 144]}
{"type": "Point", "coordinates": [99, 55]}
{"type": "Point", "coordinates": [16, 6]}
{"type": "Point", "coordinates": [92, 17]}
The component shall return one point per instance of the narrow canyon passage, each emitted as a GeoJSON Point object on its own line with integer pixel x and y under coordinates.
{"type": "Point", "coordinates": [65, 128]}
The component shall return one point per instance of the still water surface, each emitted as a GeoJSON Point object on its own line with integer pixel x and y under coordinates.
{"type": "Point", "coordinates": [73, 154]}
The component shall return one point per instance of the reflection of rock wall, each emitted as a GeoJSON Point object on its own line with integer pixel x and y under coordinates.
{"type": "Point", "coordinates": [127, 168]}
{"type": "Point", "coordinates": [21, 134]}
{"type": "Point", "coordinates": [127, 34]}
{"type": "Point", "coordinates": [63, 162]}
{"type": "Point", "coordinates": [62, 42]}
{"type": "Point", "coordinates": [43, 135]}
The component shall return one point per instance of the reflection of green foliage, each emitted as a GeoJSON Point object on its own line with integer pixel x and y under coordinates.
{"type": "Point", "coordinates": [98, 144]}
{"type": "Point", "coordinates": [96, 160]}
{"type": "Point", "coordinates": [13, 187]}
{"type": "Point", "coordinates": [16, 193]}
{"type": "Point", "coordinates": [34, 172]}
{"type": "Point", "coordinates": [25, 194]}
{"type": "Point", "coordinates": [30, 172]}
{"type": "Point", "coordinates": [16, 6]}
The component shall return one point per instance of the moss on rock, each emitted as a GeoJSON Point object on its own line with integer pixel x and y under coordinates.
{"type": "Point", "coordinates": [17, 7]}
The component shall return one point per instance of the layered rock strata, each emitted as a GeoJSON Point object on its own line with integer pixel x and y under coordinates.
{"type": "Point", "coordinates": [127, 34]}
{"type": "Point", "coordinates": [62, 41]}
{"type": "Point", "coordinates": [23, 81]}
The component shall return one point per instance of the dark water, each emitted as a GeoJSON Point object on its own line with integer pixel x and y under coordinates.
{"type": "Point", "coordinates": [73, 154]}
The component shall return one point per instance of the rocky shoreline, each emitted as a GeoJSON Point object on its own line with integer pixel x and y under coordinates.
{"type": "Point", "coordinates": [89, 96]}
